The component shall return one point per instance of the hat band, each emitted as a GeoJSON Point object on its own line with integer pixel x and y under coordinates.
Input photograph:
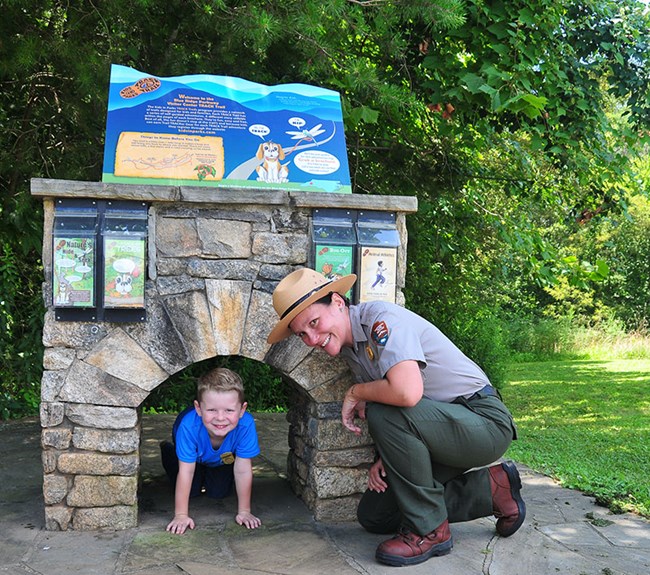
{"type": "Point", "coordinates": [295, 304]}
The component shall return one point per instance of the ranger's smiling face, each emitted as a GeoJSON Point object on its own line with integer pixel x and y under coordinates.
{"type": "Point", "coordinates": [324, 326]}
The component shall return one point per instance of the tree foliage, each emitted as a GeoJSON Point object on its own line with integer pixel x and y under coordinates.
{"type": "Point", "coordinates": [503, 118]}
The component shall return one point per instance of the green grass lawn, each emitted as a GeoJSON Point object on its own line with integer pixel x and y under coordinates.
{"type": "Point", "coordinates": [586, 424]}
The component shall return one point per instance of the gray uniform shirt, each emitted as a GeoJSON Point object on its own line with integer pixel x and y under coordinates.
{"type": "Point", "coordinates": [385, 334]}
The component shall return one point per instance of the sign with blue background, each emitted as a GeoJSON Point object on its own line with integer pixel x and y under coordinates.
{"type": "Point", "coordinates": [204, 130]}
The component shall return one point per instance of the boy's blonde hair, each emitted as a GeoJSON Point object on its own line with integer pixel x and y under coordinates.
{"type": "Point", "coordinates": [220, 379]}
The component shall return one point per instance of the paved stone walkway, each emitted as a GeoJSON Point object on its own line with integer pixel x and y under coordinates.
{"type": "Point", "coordinates": [565, 532]}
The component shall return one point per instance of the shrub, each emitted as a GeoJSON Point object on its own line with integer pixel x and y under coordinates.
{"type": "Point", "coordinates": [531, 339]}
{"type": "Point", "coordinates": [265, 390]}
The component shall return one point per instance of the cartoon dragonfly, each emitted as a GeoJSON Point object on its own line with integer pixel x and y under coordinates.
{"type": "Point", "coordinates": [308, 135]}
{"type": "Point", "coordinates": [342, 267]}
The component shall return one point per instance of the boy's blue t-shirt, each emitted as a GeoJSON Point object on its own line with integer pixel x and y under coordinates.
{"type": "Point", "coordinates": [193, 442]}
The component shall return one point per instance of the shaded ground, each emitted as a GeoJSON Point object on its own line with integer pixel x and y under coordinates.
{"type": "Point", "coordinates": [565, 532]}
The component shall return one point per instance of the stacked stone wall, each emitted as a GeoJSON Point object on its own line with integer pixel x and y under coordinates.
{"type": "Point", "coordinates": [214, 258]}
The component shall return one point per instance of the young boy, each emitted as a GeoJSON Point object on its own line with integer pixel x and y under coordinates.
{"type": "Point", "coordinates": [215, 440]}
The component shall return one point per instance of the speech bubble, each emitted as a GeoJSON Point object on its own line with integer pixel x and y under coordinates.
{"type": "Point", "coordinates": [259, 130]}
{"type": "Point", "coordinates": [66, 263]}
{"type": "Point", "coordinates": [297, 122]}
{"type": "Point", "coordinates": [317, 162]}
{"type": "Point", "coordinates": [124, 266]}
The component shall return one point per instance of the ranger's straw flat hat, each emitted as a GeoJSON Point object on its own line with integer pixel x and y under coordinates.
{"type": "Point", "coordinates": [297, 292]}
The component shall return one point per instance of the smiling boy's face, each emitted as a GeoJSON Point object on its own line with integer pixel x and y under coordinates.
{"type": "Point", "coordinates": [220, 412]}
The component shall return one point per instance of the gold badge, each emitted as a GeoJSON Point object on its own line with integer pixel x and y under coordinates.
{"type": "Point", "coordinates": [227, 458]}
{"type": "Point", "coordinates": [371, 354]}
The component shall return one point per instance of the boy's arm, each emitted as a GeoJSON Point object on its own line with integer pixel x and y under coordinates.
{"type": "Point", "coordinates": [182, 519]}
{"type": "Point", "coordinates": [243, 470]}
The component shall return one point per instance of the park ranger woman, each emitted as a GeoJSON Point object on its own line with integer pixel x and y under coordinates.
{"type": "Point", "coordinates": [438, 425]}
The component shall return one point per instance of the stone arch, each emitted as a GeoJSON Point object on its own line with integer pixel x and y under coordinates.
{"type": "Point", "coordinates": [214, 258]}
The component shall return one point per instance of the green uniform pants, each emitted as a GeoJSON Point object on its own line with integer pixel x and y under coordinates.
{"type": "Point", "coordinates": [427, 451]}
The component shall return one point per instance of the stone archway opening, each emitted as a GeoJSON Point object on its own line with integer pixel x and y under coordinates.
{"type": "Point", "coordinates": [266, 389]}
{"type": "Point", "coordinates": [325, 465]}
{"type": "Point", "coordinates": [214, 258]}
{"type": "Point", "coordinates": [267, 395]}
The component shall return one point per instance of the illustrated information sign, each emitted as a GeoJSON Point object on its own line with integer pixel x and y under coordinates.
{"type": "Point", "coordinates": [205, 130]}
{"type": "Point", "coordinates": [378, 272]}
{"type": "Point", "coordinates": [334, 262]}
{"type": "Point", "coordinates": [123, 278]}
{"type": "Point", "coordinates": [73, 277]}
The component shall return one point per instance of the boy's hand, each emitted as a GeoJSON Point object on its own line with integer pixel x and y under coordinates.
{"type": "Point", "coordinates": [180, 524]}
{"type": "Point", "coordinates": [247, 519]}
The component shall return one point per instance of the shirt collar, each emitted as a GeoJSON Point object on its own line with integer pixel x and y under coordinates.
{"type": "Point", "coordinates": [358, 335]}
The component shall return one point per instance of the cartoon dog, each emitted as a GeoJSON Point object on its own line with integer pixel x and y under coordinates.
{"type": "Point", "coordinates": [123, 284]}
{"type": "Point", "coordinates": [271, 169]}
{"type": "Point", "coordinates": [63, 292]}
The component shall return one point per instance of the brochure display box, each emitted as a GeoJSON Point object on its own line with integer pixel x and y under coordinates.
{"type": "Point", "coordinates": [333, 243]}
{"type": "Point", "coordinates": [124, 243]}
{"type": "Point", "coordinates": [378, 240]}
{"type": "Point", "coordinates": [74, 254]}
{"type": "Point", "coordinates": [99, 260]}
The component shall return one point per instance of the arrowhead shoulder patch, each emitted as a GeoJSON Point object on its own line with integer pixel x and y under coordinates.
{"type": "Point", "coordinates": [380, 333]}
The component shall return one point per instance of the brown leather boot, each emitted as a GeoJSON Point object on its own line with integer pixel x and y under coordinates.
{"type": "Point", "coordinates": [407, 548]}
{"type": "Point", "coordinates": [508, 506]}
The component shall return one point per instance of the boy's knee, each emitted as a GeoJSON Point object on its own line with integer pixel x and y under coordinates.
{"type": "Point", "coordinates": [168, 456]}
